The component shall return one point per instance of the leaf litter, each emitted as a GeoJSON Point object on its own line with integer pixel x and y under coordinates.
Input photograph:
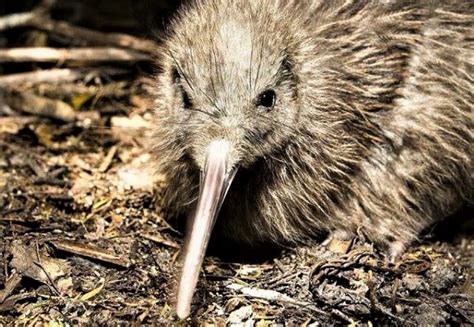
{"type": "Point", "coordinates": [84, 239]}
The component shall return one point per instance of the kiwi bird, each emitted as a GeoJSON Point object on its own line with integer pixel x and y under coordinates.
{"type": "Point", "coordinates": [281, 121]}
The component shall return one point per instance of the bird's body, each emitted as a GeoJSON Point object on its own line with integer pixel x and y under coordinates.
{"type": "Point", "coordinates": [343, 116]}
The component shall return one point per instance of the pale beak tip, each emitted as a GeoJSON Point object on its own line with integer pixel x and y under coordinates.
{"type": "Point", "coordinates": [183, 312]}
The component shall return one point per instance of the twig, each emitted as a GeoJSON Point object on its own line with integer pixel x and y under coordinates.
{"type": "Point", "coordinates": [161, 240]}
{"type": "Point", "coordinates": [16, 20]}
{"type": "Point", "coordinates": [93, 37]}
{"type": "Point", "coordinates": [53, 76]}
{"type": "Point", "coordinates": [285, 278]}
{"type": "Point", "coordinates": [65, 90]}
{"type": "Point", "coordinates": [38, 20]}
{"type": "Point", "coordinates": [12, 125]}
{"type": "Point", "coordinates": [375, 304]}
{"type": "Point", "coordinates": [53, 55]}
{"type": "Point", "coordinates": [341, 315]}
{"type": "Point", "coordinates": [46, 180]}
{"type": "Point", "coordinates": [40, 265]}
{"type": "Point", "coordinates": [44, 7]}
{"type": "Point", "coordinates": [91, 252]}
{"type": "Point", "coordinates": [457, 311]}
{"type": "Point", "coordinates": [104, 166]}
{"type": "Point", "coordinates": [280, 266]}
{"type": "Point", "coordinates": [40, 106]}
{"type": "Point", "coordinates": [274, 296]}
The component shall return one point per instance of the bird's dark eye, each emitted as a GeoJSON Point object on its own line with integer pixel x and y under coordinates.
{"type": "Point", "coordinates": [187, 103]}
{"type": "Point", "coordinates": [267, 99]}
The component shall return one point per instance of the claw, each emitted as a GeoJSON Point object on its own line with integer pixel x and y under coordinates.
{"type": "Point", "coordinates": [395, 251]}
{"type": "Point", "coordinates": [328, 240]}
{"type": "Point", "coordinates": [340, 235]}
{"type": "Point", "coordinates": [338, 241]}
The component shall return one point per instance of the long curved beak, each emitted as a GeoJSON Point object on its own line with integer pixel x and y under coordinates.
{"type": "Point", "coordinates": [217, 177]}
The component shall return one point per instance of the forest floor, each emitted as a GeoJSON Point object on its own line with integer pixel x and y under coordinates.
{"type": "Point", "coordinates": [83, 240]}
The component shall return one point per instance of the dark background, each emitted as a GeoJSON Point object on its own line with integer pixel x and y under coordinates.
{"type": "Point", "coordinates": [139, 17]}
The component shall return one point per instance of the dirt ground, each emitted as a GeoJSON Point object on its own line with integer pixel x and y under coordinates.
{"type": "Point", "coordinates": [83, 239]}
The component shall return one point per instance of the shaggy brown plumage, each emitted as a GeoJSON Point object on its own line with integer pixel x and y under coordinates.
{"type": "Point", "coordinates": [371, 131]}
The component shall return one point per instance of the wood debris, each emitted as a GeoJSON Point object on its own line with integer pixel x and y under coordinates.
{"type": "Point", "coordinates": [54, 55]}
{"type": "Point", "coordinates": [91, 252]}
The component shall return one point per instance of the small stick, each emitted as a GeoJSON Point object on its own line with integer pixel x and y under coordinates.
{"type": "Point", "coordinates": [280, 266]}
{"type": "Point", "coordinates": [39, 264]}
{"type": "Point", "coordinates": [90, 251]}
{"type": "Point", "coordinates": [271, 295]}
{"type": "Point", "coordinates": [108, 159]}
{"type": "Point", "coordinates": [161, 240]}
{"type": "Point", "coordinates": [54, 55]}
{"type": "Point", "coordinates": [343, 316]}
{"type": "Point", "coordinates": [12, 125]}
{"type": "Point", "coordinates": [40, 106]}
{"type": "Point", "coordinates": [38, 20]}
{"type": "Point", "coordinates": [53, 76]}
{"type": "Point", "coordinates": [16, 20]}
{"type": "Point", "coordinates": [93, 37]}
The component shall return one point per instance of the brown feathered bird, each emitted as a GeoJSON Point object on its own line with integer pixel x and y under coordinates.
{"type": "Point", "coordinates": [300, 118]}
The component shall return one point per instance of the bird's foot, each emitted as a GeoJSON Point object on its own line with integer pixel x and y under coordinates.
{"type": "Point", "coordinates": [339, 235]}
{"type": "Point", "coordinates": [339, 241]}
{"type": "Point", "coordinates": [395, 251]}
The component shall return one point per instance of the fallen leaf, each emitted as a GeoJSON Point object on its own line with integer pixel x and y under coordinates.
{"type": "Point", "coordinates": [35, 264]}
{"type": "Point", "coordinates": [89, 295]}
{"type": "Point", "coordinates": [240, 315]}
{"type": "Point", "coordinates": [78, 100]}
